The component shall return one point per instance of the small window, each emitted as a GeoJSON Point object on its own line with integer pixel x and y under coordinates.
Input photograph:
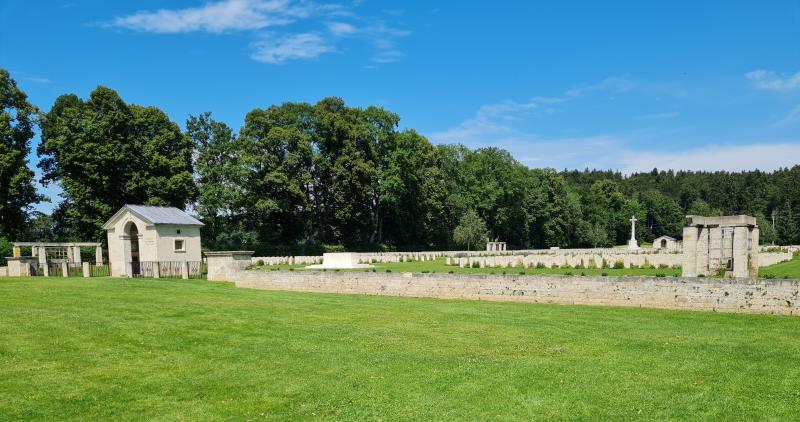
{"type": "Point", "coordinates": [179, 231]}
{"type": "Point", "coordinates": [180, 245]}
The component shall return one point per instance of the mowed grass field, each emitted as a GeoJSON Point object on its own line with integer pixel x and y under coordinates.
{"type": "Point", "coordinates": [143, 349]}
{"type": "Point", "coordinates": [438, 266]}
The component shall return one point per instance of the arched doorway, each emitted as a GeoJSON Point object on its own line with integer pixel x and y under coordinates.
{"type": "Point", "coordinates": [663, 243]}
{"type": "Point", "coordinates": [133, 235]}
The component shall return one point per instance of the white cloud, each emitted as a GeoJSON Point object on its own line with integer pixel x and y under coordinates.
{"type": "Point", "coordinates": [255, 16]}
{"type": "Point", "coordinates": [771, 81]}
{"type": "Point", "coordinates": [791, 118]}
{"type": "Point", "coordinates": [507, 125]}
{"type": "Point", "coordinates": [341, 29]}
{"type": "Point", "coordinates": [290, 47]}
{"type": "Point", "coordinates": [660, 116]}
{"type": "Point", "coordinates": [37, 80]}
{"type": "Point", "coordinates": [226, 15]}
{"type": "Point", "coordinates": [387, 56]}
{"type": "Point", "coordinates": [770, 156]}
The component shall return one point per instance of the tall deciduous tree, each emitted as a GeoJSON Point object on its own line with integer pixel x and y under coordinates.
{"type": "Point", "coordinates": [220, 178]}
{"type": "Point", "coordinates": [471, 230]}
{"type": "Point", "coordinates": [105, 153]}
{"type": "Point", "coordinates": [17, 189]}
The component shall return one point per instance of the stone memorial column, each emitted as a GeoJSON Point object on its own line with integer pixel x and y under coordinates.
{"type": "Point", "coordinates": [740, 252]}
{"type": "Point", "coordinates": [98, 255]}
{"type": "Point", "coordinates": [689, 264]}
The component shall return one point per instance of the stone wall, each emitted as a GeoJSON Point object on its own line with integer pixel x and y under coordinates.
{"type": "Point", "coordinates": [706, 294]}
{"type": "Point", "coordinates": [766, 259]}
{"type": "Point", "coordinates": [3, 271]}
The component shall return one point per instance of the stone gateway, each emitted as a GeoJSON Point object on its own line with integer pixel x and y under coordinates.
{"type": "Point", "coordinates": [727, 244]}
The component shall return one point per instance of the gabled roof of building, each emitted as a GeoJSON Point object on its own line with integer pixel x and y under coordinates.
{"type": "Point", "coordinates": [156, 215]}
{"type": "Point", "coordinates": [664, 237]}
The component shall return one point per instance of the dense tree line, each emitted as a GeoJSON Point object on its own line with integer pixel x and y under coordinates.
{"type": "Point", "coordinates": [299, 177]}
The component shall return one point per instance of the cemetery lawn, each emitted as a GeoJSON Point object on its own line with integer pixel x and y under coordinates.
{"type": "Point", "coordinates": [438, 266]}
{"type": "Point", "coordinates": [788, 269]}
{"type": "Point", "coordinates": [143, 349]}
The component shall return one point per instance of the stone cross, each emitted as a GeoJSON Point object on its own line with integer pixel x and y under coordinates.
{"type": "Point", "coordinates": [632, 244]}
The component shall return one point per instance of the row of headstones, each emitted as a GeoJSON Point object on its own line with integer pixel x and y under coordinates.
{"type": "Point", "coordinates": [574, 261]}
{"type": "Point", "coordinates": [397, 257]}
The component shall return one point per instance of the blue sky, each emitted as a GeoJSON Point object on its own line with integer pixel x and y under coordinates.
{"type": "Point", "coordinates": [569, 84]}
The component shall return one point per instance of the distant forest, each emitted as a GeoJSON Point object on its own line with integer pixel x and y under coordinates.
{"type": "Point", "coordinates": [303, 178]}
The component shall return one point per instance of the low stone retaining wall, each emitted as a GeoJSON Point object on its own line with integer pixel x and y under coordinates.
{"type": "Point", "coordinates": [765, 259]}
{"type": "Point", "coordinates": [698, 294]}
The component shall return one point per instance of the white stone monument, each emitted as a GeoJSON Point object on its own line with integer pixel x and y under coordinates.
{"type": "Point", "coordinates": [339, 260]}
{"type": "Point", "coordinates": [633, 244]}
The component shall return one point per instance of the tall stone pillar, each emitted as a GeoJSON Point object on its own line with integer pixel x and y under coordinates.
{"type": "Point", "coordinates": [754, 239]}
{"type": "Point", "coordinates": [98, 255]}
{"type": "Point", "coordinates": [715, 249]}
{"type": "Point", "coordinates": [741, 262]}
{"type": "Point", "coordinates": [702, 251]}
{"type": "Point", "coordinates": [76, 257]}
{"type": "Point", "coordinates": [42, 255]}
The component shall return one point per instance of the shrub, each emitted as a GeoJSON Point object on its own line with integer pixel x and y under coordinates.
{"type": "Point", "coordinates": [702, 275]}
{"type": "Point", "coordinates": [583, 274]}
{"type": "Point", "coordinates": [567, 266]}
{"type": "Point", "coordinates": [475, 264]}
{"type": "Point", "coordinates": [604, 274]}
{"type": "Point", "coordinates": [663, 266]}
{"type": "Point", "coordinates": [260, 262]}
{"type": "Point", "coordinates": [388, 270]}
{"type": "Point", "coordinates": [291, 269]}
{"type": "Point", "coordinates": [450, 272]}
{"type": "Point", "coordinates": [540, 265]}
{"type": "Point", "coordinates": [769, 276]}
{"type": "Point", "coordinates": [619, 265]}
{"type": "Point", "coordinates": [604, 264]}
{"type": "Point", "coordinates": [661, 275]}
{"type": "Point", "coordinates": [568, 273]}
{"type": "Point", "coordinates": [522, 273]}
{"type": "Point", "coordinates": [786, 277]}
{"type": "Point", "coordinates": [374, 270]}
{"type": "Point", "coordinates": [425, 271]}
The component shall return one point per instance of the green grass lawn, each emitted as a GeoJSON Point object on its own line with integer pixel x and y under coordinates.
{"type": "Point", "coordinates": [145, 349]}
{"type": "Point", "coordinates": [439, 266]}
{"type": "Point", "coordinates": [789, 269]}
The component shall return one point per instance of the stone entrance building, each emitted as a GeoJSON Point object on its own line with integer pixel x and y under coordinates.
{"type": "Point", "coordinates": [726, 244]}
{"type": "Point", "coordinates": [142, 237]}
